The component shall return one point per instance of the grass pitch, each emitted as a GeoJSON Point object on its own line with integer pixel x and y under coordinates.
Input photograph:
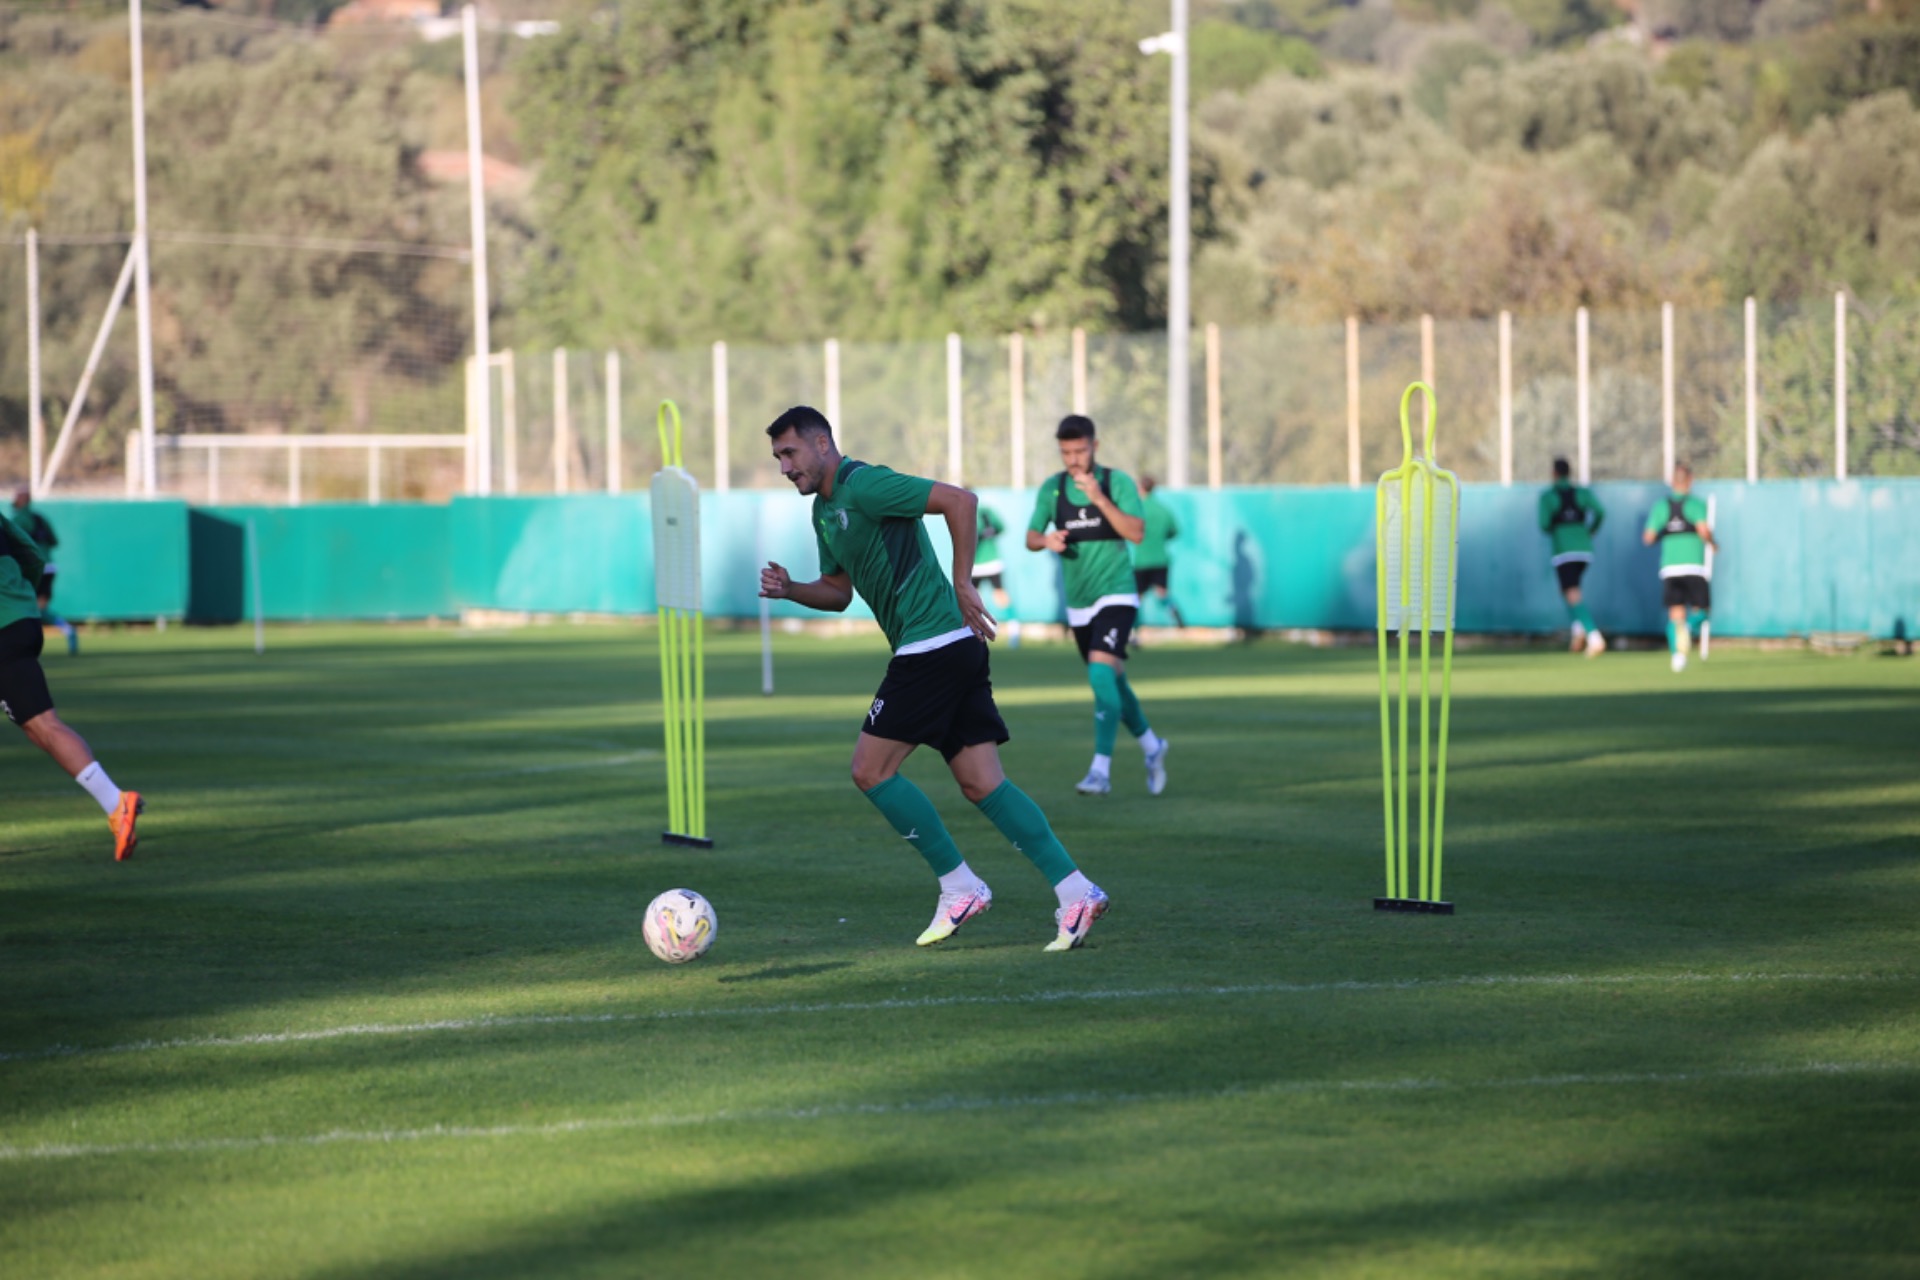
{"type": "Point", "coordinates": [373, 1001]}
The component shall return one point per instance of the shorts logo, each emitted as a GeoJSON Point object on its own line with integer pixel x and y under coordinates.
{"type": "Point", "coordinates": [1113, 637]}
{"type": "Point", "coordinates": [873, 715]}
{"type": "Point", "coordinates": [9, 710]}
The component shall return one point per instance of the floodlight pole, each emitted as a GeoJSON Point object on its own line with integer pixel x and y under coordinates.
{"type": "Point", "coordinates": [477, 202]}
{"type": "Point", "coordinates": [1179, 202]}
{"type": "Point", "coordinates": [142, 281]}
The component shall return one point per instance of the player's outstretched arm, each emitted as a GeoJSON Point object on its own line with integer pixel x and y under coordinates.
{"type": "Point", "coordinates": [830, 593]}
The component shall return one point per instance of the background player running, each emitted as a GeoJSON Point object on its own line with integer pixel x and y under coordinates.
{"type": "Point", "coordinates": [1152, 566]}
{"type": "Point", "coordinates": [24, 697]}
{"type": "Point", "coordinates": [869, 532]}
{"type": "Point", "coordinates": [1679, 524]}
{"type": "Point", "coordinates": [1570, 515]}
{"type": "Point", "coordinates": [1095, 514]}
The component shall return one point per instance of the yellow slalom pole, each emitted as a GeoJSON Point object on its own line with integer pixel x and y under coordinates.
{"type": "Point", "coordinates": [1386, 712]}
{"type": "Point", "coordinates": [669, 674]}
{"type": "Point", "coordinates": [699, 727]}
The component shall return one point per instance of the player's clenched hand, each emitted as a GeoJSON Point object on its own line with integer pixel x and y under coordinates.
{"type": "Point", "coordinates": [974, 611]}
{"type": "Point", "coordinates": [1056, 539]}
{"type": "Point", "coordinates": [774, 581]}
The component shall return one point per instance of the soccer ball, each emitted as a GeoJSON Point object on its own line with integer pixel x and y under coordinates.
{"type": "Point", "coordinates": [679, 926]}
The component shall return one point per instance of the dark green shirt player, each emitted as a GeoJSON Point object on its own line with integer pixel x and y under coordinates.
{"type": "Point", "coordinates": [869, 531]}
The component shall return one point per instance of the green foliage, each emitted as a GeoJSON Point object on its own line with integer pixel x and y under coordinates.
{"type": "Point", "coordinates": [1442, 65]}
{"type": "Point", "coordinates": [845, 166]}
{"type": "Point", "coordinates": [1229, 56]}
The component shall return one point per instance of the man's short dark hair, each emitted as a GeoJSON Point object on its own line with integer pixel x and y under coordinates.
{"type": "Point", "coordinates": [1683, 468]}
{"type": "Point", "coordinates": [804, 418]}
{"type": "Point", "coordinates": [1075, 426]}
{"type": "Point", "coordinates": [1560, 469]}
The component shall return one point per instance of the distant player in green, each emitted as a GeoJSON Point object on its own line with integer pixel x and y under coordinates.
{"type": "Point", "coordinates": [1570, 515]}
{"type": "Point", "coordinates": [1151, 566]}
{"type": "Point", "coordinates": [1095, 512]}
{"type": "Point", "coordinates": [990, 571]}
{"type": "Point", "coordinates": [40, 529]}
{"type": "Point", "coordinates": [869, 532]}
{"type": "Point", "coordinates": [1679, 525]}
{"type": "Point", "coordinates": [24, 697]}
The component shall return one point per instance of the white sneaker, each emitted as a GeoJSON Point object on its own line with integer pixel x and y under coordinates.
{"type": "Point", "coordinates": [1679, 662]}
{"type": "Point", "coordinates": [1094, 784]}
{"type": "Point", "coordinates": [955, 909]}
{"type": "Point", "coordinates": [1157, 769]}
{"type": "Point", "coordinates": [1596, 644]}
{"type": "Point", "coordinates": [1076, 920]}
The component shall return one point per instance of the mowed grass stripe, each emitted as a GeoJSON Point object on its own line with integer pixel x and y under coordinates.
{"type": "Point", "coordinates": [947, 1105]}
{"type": "Point", "coordinates": [489, 1023]}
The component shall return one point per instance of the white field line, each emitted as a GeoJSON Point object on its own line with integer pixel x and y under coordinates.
{"type": "Point", "coordinates": [491, 1023]}
{"type": "Point", "coordinates": [935, 1106]}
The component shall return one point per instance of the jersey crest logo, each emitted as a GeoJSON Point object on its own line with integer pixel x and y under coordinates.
{"type": "Point", "coordinates": [873, 715]}
{"type": "Point", "coordinates": [842, 513]}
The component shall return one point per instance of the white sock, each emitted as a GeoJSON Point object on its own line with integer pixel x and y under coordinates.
{"type": "Point", "coordinates": [959, 880]}
{"type": "Point", "coordinates": [1149, 742]}
{"type": "Point", "coordinates": [99, 786]}
{"type": "Point", "coordinates": [1073, 888]}
{"type": "Point", "coordinates": [1102, 765]}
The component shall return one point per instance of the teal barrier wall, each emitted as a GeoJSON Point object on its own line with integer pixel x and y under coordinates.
{"type": "Point", "coordinates": [324, 561]}
{"type": "Point", "coordinates": [1797, 556]}
{"type": "Point", "coordinates": [119, 559]}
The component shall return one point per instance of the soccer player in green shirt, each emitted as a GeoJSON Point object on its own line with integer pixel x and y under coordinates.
{"type": "Point", "coordinates": [1151, 565]}
{"type": "Point", "coordinates": [990, 571]}
{"type": "Point", "coordinates": [23, 686]}
{"type": "Point", "coordinates": [1679, 525]}
{"type": "Point", "coordinates": [1570, 515]}
{"type": "Point", "coordinates": [1095, 513]}
{"type": "Point", "coordinates": [869, 532]}
{"type": "Point", "coordinates": [40, 529]}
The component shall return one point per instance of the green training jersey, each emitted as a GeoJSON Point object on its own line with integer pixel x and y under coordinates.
{"type": "Point", "coordinates": [986, 551]}
{"type": "Point", "coordinates": [1570, 515]}
{"type": "Point", "coordinates": [1151, 551]}
{"type": "Point", "coordinates": [873, 530]}
{"type": "Point", "coordinates": [1683, 552]}
{"type": "Point", "coordinates": [20, 567]}
{"type": "Point", "coordinates": [1098, 562]}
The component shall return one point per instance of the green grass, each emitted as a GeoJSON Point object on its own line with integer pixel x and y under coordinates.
{"type": "Point", "coordinates": [1674, 1029]}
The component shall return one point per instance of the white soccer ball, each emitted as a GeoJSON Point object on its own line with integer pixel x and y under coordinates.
{"type": "Point", "coordinates": [679, 926]}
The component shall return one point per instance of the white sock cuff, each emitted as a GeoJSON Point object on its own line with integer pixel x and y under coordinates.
{"type": "Point", "coordinates": [97, 784]}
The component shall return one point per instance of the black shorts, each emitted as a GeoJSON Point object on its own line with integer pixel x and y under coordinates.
{"type": "Point", "coordinates": [1692, 592]}
{"type": "Point", "coordinates": [942, 699]}
{"type": "Point", "coordinates": [1570, 572]}
{"type": "Point", "coordinates": [1107, 631]}
{"type": "Point", "coordinates": [23, 685]}
{"type": "Point", "coordinates": [1144, 580]}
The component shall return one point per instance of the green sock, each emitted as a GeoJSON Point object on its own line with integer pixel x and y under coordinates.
{"type": "Point", "coordinates": [1694, 618]}
{"type": "Point", "coordinates": [914, 817]}
{"type": "Point", "coordinates": [1106, 706]}
{"type": "Point", "coordinates": [1584, 616]}
{"type": "Point", "coordinates": [1130, 713]}
{"type": "Point", "coordinates": [1021, 822]}
{"type": "Point", "coordinates": [1573, 610]}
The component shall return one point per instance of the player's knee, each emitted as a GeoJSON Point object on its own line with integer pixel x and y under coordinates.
{"type": "Point", "coordinates": [867, 776]}
{"type": "Point", "coordinates": [43, 729]}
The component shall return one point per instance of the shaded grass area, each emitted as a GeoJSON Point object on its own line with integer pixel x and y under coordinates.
{"type": "Point", "coordinates": [373, 1000]}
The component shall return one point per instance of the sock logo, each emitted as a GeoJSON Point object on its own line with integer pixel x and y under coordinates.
{"type": "Point", "coordinates": [873, 715]}
{"type": "Point", "coordinates": [912, 835]}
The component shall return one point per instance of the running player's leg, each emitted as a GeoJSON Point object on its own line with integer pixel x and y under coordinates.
{"type": "Point", "coordinates": [1014, 814]}
{"type": "Point", "coordinates": [29, 704]}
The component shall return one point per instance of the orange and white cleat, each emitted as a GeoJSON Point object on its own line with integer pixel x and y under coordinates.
{"type": "Point", "coordinates": [122, 820]}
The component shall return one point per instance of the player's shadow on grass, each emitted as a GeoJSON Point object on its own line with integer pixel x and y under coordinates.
{"type": "Point", "coordinates": [782, 972]}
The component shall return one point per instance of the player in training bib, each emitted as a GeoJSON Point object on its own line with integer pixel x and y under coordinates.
{"type": "Point", "coordinates": [869, 532]}
{"type": "Point", "coordinates": [1679, 524]}
{"type": "Point", "coordinates": [1570, 515]}
{"type": "Point", "coordinates": [40, 529]}
{"type": "Point", "coordinates": [23, 686]}
{"type": "Point", "coordinates": [1152, 566]}
{"type": "Point", "coordinates": [1095, 514]}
